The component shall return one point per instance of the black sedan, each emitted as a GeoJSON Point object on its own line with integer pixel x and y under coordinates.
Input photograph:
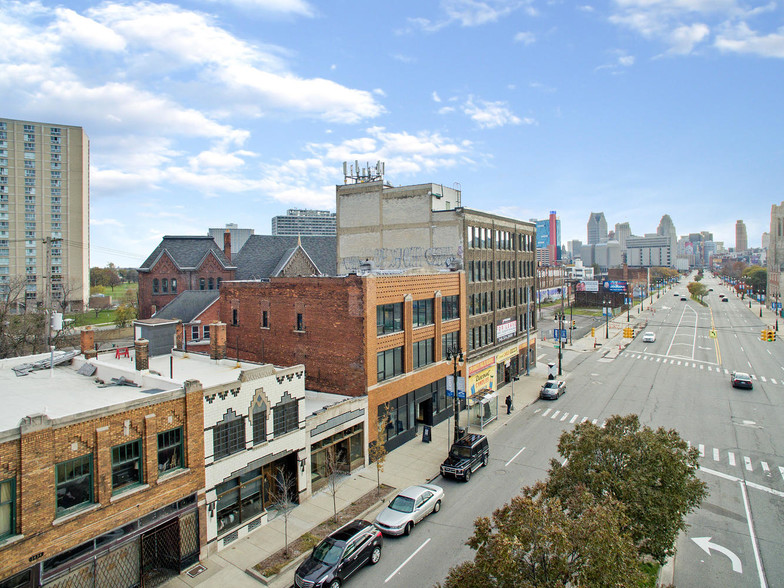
{"type": "Point", "coordinates": [341, 554]}
{"type": "Point", "coordinates": [552, 389]}
{"type": "Point", "coordinates": [741, 380]}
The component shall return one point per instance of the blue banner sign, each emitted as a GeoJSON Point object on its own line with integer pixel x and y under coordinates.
{"type": "Point", "coordinates": [615, 286]}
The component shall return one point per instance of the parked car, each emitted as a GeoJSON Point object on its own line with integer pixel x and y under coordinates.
{"type": "Point", "coordinates": [725, 299]}
{"type": "Point", "coordinates": [339, 555]}
{"type": "Point", "coordinates": [466, 456]}
{"type": "Point", "coordinates": [675, 294]}
{"type": "Point", "coordinates": [683, 298]}
{"type": "Point", "coordinates": [649, 337]}
{"type": "Point", "coordinates": [552, 389]}
{"type": "Point", "coordinates": [741, 380]}
{"type": "Point", "coordinates": [408, 508]}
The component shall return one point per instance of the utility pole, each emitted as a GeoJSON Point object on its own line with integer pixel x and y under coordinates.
{"type": "Point", "coordinates": [455, 355]}
{"type": "Point", "coordinates": [560, 332]}
{"type": "Point", "coordinates": [528, 330]}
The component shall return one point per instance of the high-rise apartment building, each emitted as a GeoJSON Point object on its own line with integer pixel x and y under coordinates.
{"type": "Point", "coordinates": [741, 238]}
{"type": "Point", "coordinates": [597, 228]}
{"type": "Point", "coordinates": [304, 222]}
{"type": "Point", "coordinates": [44, 212]}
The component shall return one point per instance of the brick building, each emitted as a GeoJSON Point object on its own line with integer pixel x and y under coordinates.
{"type": "Point", "coordinates": [99, 482]}
{"type": "Point", "coordinates": [383, 336]}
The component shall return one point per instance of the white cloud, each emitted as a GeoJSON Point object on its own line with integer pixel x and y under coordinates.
{"type": "Point", "coordinates": [526, 38]}
{"type": "Point", "coordinates": [489, 115]}
{"type": "Point", "coordinates": [436, 97]}
{"type": "Point", "coordinates": [741, 39]}
{"type": "Point", "coordinates": [103, 222]}
{"type": "Point", "coordinates": [446, 110]}
{"type": "Point", "coordinates": [683, 39]}
{"type": "Point", "coordinates": [74, 27]}
{"type": "Point", "coordinates": [470, 13]}
{"type": "Point", "coordinates": [294, 7]}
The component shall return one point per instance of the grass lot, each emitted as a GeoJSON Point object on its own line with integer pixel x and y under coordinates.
{"type": "Point", "coordinates": [103, 316]}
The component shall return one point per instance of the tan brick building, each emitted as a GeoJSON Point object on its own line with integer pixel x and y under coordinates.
{"type": "Point", "coordinates": [98, 482]}
{"type": "Point", "coordinates": [384, 336]}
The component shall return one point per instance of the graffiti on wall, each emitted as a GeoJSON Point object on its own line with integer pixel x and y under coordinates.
{"type": "Point", "coordinates": [406, 258]}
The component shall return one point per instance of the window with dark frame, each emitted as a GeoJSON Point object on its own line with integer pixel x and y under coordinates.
{"type": "Point", "coordinates": [170, 450]}
{"type": "Point", "coordinates": [265, 319]}
{"type": "Point", "coordinates": [74, 483]}
{"type": "Point", "coordinates": [422, 312]}
{"type": "Point", "coordinates": [234, 317]}
{"type": "Point", "coordinates": [194, 332]}
{"type": "Point", "coordinates": [7, 508]}
{"type": "Point", "coordinates": [300, 322]}
{"type": "Point", "coordinates": [285, 415]}
{"type": "Point", "coordinates": [450, 308]}
{"type": "Point", "coordinates": [449, 341]}
{"type": "Point", "coordinates": [228, 436]}
{"type": "Point", "coordinates": [155, 285]}
{"type": "Point", "coordinates": [202, 284]}
{"type": "Point", "coordinates": [390, 363]}
{"type": "Point", "coordinates": [174, 285]}
{"type": "Point", "coordinates": [165, 285]}
{"type": "Point", "coordinates": [205, 332]}
{"type": "Point", "coordinates": [259, 424]}
{"type": "Point", "coordinates": [389, 318]}
{"type": "Point", "coordinates": [423, 353]}
{"type": "Point", "coordinates": [127, 467]}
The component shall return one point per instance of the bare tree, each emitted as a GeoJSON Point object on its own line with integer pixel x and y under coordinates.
{"type": "Point", "coordinates": [22, 324]}
{"type": "Point", "coordinates": [378, 451]}
{"type": "Point", "coordinates": [283, 501]}
{"type": "Point", "coordinates": [67, 290]}
{"type": "Point", "coordinates": [332, 473]}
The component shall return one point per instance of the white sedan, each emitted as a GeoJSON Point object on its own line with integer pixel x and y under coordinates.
{"type": "Point", "coordinates": [648, 337]}
{"type": "Point", "coordinates": [408, 508]}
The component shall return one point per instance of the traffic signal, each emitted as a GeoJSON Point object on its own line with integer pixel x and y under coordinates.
{"type": "Point", "coordinates": [764, 335]}
{"type": "Point", "coordinates": [628, 332]}
{"type": "Point", "coordinates": [771, 335]}
{"type": "Point", "coordinates": [593, 331]}
{"type": "Point", "coordinates": [574, 323]}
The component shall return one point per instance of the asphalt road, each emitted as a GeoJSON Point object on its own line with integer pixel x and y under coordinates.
{"type": "Point", "coordinates": [680, 381]}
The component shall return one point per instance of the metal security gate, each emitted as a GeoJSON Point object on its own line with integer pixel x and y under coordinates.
{"type": "Point", "coordinates": [160, 554]}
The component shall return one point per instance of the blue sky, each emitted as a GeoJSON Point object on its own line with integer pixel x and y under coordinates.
{"type": "Point", "coordinates": [206, 112]}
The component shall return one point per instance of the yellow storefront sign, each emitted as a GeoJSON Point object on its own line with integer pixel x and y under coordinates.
{"type": "Point", "coordinates": [481, 383]}
{"type": "Point", "coordinates": [506, 354]}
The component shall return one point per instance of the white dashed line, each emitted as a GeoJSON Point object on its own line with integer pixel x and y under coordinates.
{"type": "Point", "coordinates": [555, 414]}
{"type": "Point", "coordinates": [781, 471]}
{"type": "Point", "coordinates": [565, 416]}
{"type": "Point", "coordinates": [747, 462]}
{"type": "Point", "coordinates": [574, 418]}
{"type": "Point", "coordinates": [753, 377]}
{"type": "Point", "coordinates": [731, 457]}
{"type": "Point", "coordinates": [701, 447]}
{"type": "Point", "coordinates": [593, 421]}
{"type": "Point", "coordinates": [715, 454]}
{"type": "Point", "coordinates": [765, 468]}
{"type": "Point", "coordinates": [584, 419]}
{"type": "Point", "coordinates": [545, 413]}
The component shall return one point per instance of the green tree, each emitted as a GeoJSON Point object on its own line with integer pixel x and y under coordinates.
{"type": "Point", "coordinates": [378, 451]}
{"type": "Point", "coordinates": [697, 290]}
{"type": "Point", "coordinates": [757, 277]}
{"type": "Point", "coordinates": [536, 540]}
{"type": "Point", "coordinates": [652, 473]}
{"type": "Point", "coordinates": [124, 315]}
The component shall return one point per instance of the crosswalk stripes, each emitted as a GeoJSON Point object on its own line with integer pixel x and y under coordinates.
{"type": "Point", "coordinates": [711, 368]}
{"type": "Point", "coordinates": [748, 463]}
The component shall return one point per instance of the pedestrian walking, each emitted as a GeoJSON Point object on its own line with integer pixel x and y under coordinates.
{"type": "Point", "coordinates": [508, 404]}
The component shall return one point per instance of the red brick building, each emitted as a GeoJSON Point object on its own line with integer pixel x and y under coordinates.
{"type": "Point", "coordinates": [384, 336]}
{"type": "Point", "coordinates": [103, 489]}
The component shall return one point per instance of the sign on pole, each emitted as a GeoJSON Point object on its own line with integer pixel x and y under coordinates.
{"type": "Point", "coordinates": [450, 386]}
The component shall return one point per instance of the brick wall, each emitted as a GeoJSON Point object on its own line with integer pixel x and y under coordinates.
{"type": "Point", "coordinates": [43, 443]}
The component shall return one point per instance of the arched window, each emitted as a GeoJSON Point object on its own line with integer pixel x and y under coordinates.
{"type": "Point", "coordinates": [165, 285]}
{"type": "Point", "coordinates": [155, 285]}
{"type": "Point", "coordinates": [202, 283]}
{"type": "Point", "coordinates": [174, 285]}
{"type": "Point", "coordinates": [211, 283]}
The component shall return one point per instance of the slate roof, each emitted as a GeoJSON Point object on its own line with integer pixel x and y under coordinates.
{"type": "Point", "coordinates": [188, 252]}
{"type": "Point", "coordinates": [188, 305]}
{"type": "Point", "coordinates": [263, 256]}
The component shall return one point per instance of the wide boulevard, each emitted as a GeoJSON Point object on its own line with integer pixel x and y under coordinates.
{"type": "Point", "coordinates": [680, 381]}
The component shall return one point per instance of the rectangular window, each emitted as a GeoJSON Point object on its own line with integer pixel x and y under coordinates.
{"type": "Point", "coordinates": [300, 322]}
{"type": "Point", "coordinates": [389, 318]}
{"type": "Point", "coordinates": [228, 437]}
{"type": "Point", "coordinates": [170, 450]}
{"type": "Point", "coordinates": [423, 353]}
{"type": "Point", "coordinates": [450, 308]}
{"type": "Point", "coordinates": [74, 483]}
{"type": "Point", "coordinates": [7, 508]}
{"type": "Point", "coordinates": [174, 285]}
{"type": "Point", "coordinates": [449, 341]}
{"type": "Point", "coordinates": [259, 424]}
{"type": "Point", "coordinates": [285, 416]}
{"type": "Point", "coordinates": [265, 319]}
{"type": "Point", "coordinates": [205, 332]}
{"type": "Point", "coordinates": [194, 332]}
{"type": "Point", "coordinates": [422, 311]}
{"type": "Point", "coordinates": [126, 466]}
{"type": "Point", "coordinates": [390, 363]}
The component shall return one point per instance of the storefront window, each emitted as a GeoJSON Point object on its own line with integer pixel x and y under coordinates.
{"type": "Point", "coordinates": [349, 452]}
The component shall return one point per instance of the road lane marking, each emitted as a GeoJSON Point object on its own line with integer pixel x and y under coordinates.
{"type": "Point", "coordinates": [545, 413]}
{"type": "Point", "coordinates": [710, 369]}
{"type": "Point", "coordinates": [701, 366]}
{"type": "Point", "coordinates": [760, 571]}
{"type": "Point", "coordinates": [679, 362]}
{"type": "Point", "coordinates": [726, 372]}
{"type": "Point", "coordinates": [781, 471]}
{"type": "Point", "coordinates": [702, 450]}
{"type": "Point", "coordinates": [584, 419]}
{"type": "Point", "coordinates": [753, 377]}
{"type": "Point", "coordinates": [763, 378]}
{"type": "Point", "coordinates": [565, 415]}
{"type": "Point", "coordinates": [400, 567]}
{"type": "Point", "coordinates": [765, 467]}
{"type": "Point", "coordinates": [694, 365]}
{"type": "Point", "coordinates": [593, 421]}
{"type": "Point", "coordinates": [658, 359]}
{"type": "Point", "coordinates": [747, 461]}
{"type": "Point", "coordinates": [715, 454]}
{"type": "Point", "coordinates": [731, 457]}
{"type": "Point", "coordinates": [514, 456]}
{"type": "Point", "coordinates": [574, 418]}
{"type": "Point", "coordinates": [604, 424]}
{"type": "Point", "coordinates": [773, 380]}
{"type": "Point", "coordinates": [555, 414]}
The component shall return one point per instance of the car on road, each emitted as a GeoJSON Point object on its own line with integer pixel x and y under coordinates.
{"type": "Point", "coordinates": [552, 389]}
{"type": "Point", "coordinates": [675, 294]}
{"type": "Point", "coordinates": [466, 455]}
{"type": "Point", "coordinates": [725, 299]}
{"type": "Point", "coordinates": [683, 298]}
{"type": "Point", "coordinates": [741, 380]}
{"type": "Point", "coordinates": [408, 508]}
{"type": "Point", "coordinates": [339, 555]}
{"type": "Point", "coordinates": [648, 337]}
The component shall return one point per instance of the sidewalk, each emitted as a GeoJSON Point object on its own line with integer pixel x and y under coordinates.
{"type": "Point", "coordinates": [413, 463]}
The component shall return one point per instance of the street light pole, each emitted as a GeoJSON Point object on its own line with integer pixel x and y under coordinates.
{"type": "Point", "coordinates": [455, 355]}
{"type": "Point", "coordinates": [606, 309]}
{"type": "Point", "coordinates": [560, 332]}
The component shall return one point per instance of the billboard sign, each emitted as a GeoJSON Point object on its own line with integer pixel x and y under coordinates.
{"type": "Point", "coordinates": [615, 285]}
{"type": "Point", "coordinates": [591, 285]}
{"type": "Point", "coordinates": [506, 329]}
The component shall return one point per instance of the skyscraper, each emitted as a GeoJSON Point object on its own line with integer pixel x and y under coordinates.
{"type": "Point", "coordinates": [305, 222]}
{"type": "Point", "coordinates": [44, 211]}
{"type": "Point", "coordinates": [741, 239]}
{"type": "Point", "coordinates": [622, 232]}
{"type": "Point", "coordinates": [597, 228]}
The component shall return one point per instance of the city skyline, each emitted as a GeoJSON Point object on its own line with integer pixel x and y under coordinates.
{"type": "Point", "coordinates": [633, 108]}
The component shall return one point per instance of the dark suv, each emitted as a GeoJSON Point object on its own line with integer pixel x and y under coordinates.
{"type": "Point", "coordinates": [465, 457]}
{"type": "Point", "coordinates": [341, 554]}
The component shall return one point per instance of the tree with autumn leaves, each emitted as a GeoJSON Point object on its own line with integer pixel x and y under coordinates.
{"type": "Point", "coordinates": [621, 497]}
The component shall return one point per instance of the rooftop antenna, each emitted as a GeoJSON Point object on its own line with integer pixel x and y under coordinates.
{"type": "Point", "coordinates": [354, 174]}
